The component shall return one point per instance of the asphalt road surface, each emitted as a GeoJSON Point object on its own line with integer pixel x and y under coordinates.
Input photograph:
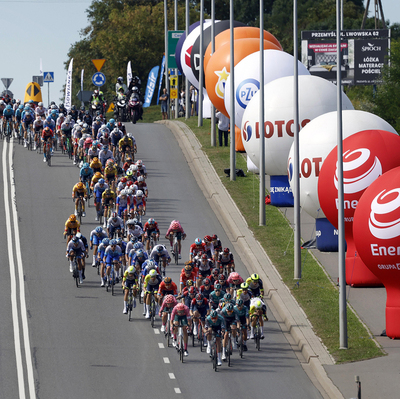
{"type": "Point", "coordinates": [81, 345]}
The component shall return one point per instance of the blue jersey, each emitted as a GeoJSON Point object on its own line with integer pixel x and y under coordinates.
{"type": "Point", "coordinates": [86, 174]}
{"type": "Point", "coordinates": [219, 322]}
{"type": "Point", "coordinates": [50, 124]}
{"type": "Point", "coordinates": [8, 112]}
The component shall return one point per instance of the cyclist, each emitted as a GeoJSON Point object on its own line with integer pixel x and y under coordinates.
{"type": "Point", "coordinates": [85, 244]}
{"type": "Point", "coordinates": [141, 185]}
{"type": "Point", "coordinates": [255, 285]}
{"type": "Point", "coordinates": [168, 304]}
{"type": "Point", "coordinates": [37, 128]}
{"type": "Point", "coordinates": [8, 115]}
{"type": "Point", "coordinates": [160, 254]}
{"type": "Point", "coordinates": [123, 203]}
{"type": "Point", "coordinates": [100, 255]}
{"type": "Point", "coordinates": [115, 137]}
{"type": "Point", "coordinates": [105, 154]}
{"type": "Point", "coordinates": [129, 280]}
{"type": "Point", "coordinates": [244, 294]}
{"type": "Point", "coordinates": [196, 247]}
{"type": "Point", "coordinates": [214, 276]}
{"type": "Point", "coordinates": [110, 173]}
{"type": "Point", "coordinates": [40, 111]}
{"type": "Point", "coordinates": [108, 201]}
{"type": "Point", "coordinates": [134, 229]}
{"type": "Point", "coordinates": [258, 311]}
{"type": "Point", "coordinates": [167, 287]}
{"type": "Point", "coordinates": [78, 195]}
{"type": "Point", "coordinates": [72, 226]}
{"type": "Point", "coordinates": [94, 152]}
{"type": "Point", "coordinates": [96, 125]}
{"type": "Point", "coordinates": [151, 284]}
{"type": "Point", "coordinates": [234, 281]}
{"type": "Point", "coordinates": [141, 168]}
{"type": "Point", "coordinates": [229, 315]}
{"type": "Point", "coordinates": [115, 225]}
{"type": "Point", "coordinates": [199, 309]}
{"type": "Point", "coordinates": [209, 246]}
{"type": "Point", "coordinates": [207, 288]}
{"type": "Point", "coordinates": [18, 117]}
{"type": "Point", "coordinates": [215, 323]}
{"type": "Point", "coordinates": [96, 237]}
{"type": "Point", "coordinates": [150, 228]}
{"type": "Point", "coordinates": [96, 165]}
{"type": "Point", "coordinates": [95, 179]}
{"type": "Point", "coordinates": [122, 184]}
{"type": "Point", "coordinates": [225, 260]}
{"type": "Point", "coordinates": [47, 139]}
{"type": "Point", "coordinates": [181, 316]}
{"type": "Point", "coordinates": [112, 255]}
{"type": "Point", "coordinates": [216, 296]}
{"type": "Point", "coordinates": [66, 131]}
{"type": "Point", "coordinates": [128, 163]}
{"type": "Point", "coordinates": [99, 188]}
{"type": "Point", "coordinates": [76, 249]}
{"type": "Point", "coordinates": [126, 146]}
{"type": "Point", "coordinates": [139, 203]}
{"type": "Point", "coordinates": [137, 257]}
{"type": "Point", "coordinates": [175, 230]}
{"type": "Point", "coordinates": [204, 264]}
{"type": "Point", "coordinates": [86, 173]}
{"type": "Point", "coordinates": [242, 315]}
{"type": "Point", "coordinates": [187, 273]}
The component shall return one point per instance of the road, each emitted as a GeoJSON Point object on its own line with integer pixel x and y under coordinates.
{"type": "Point", "coordinates": [82, 346]}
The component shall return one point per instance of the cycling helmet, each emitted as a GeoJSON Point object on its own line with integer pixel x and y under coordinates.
{"type": "Point", "coordinates": [244, 286]}
{"type": "Point", "coordinates": [97, 174]}
{"type": "Point", "coordinates": [119, 241]}
{"type": "Point", "coordinates": [139, 163]}
{"type": "Point", "coordinates": [120, 79]}
{"type": "Point", "coordinates": [139, 253]}
{"type": "Point", "coordinates": [199, 297]}
{"type": "Point", "coordinates": [139, 194]}
{"type": "Point", "coordinates": [130, 221]}
{"type": "Point", "coordinates": [9, 106]}
{"type": "Point", "coordinates": [98, 229]}
{"type": "Point", "coordinates": [213, 314]}
{"type": "Point", "coordinates": [153, 273]}
{"type": "Point", "coordinates": [215, 272]}
{"type": "Point", "coordinates": [21, 106]}
{"type": "Point", "coordinates": [204, 257]}
{"type": "Point", "coordinates": [206, 281]}
{"type": "Point", "coordinates": [226, 250]}
{"type": "Point", "coordinates": [229, 307]}
{"type": "Point", "coordinates": [111, 121]}
{"type": "Point", "coordinates": [40, 104]}
{"type": "Point", "coordinates": [129, 173]}
{"type": "Point", "coordinates": [86, 165]}
{"type": "Point", "coordinates": [61, 105]}
{"type": "Point", "coordinates": [134, 239]}
{"type": "Point", "coordinates": [114, 215]}
{"type": "Point", "coordinates": [49, 119]}
{"type": "Point", "coordinates": [82, 107]}
{"type": "Point", "coordinates": [108, 190]}
{"type": "Point", "coordinates": [140, 179]}
{"type": "Point", "coordinates": [46, 129]}
{"type": "Point", "coordinates": [151, 221]}
{"type": "Point", "coordinates": [188, 268]}
{"type": "Point", "coordinates": [235, 276]}
{"type": "Point", "coordinates": [227, 296]}
{"type": "Point", "coordinates": [221, 277]}
{"type": "Point", "coordinates": [133, 168]}
{"type": "Point", "coordinates": [175, 225]}
{"type": "Point", "coordinates": [192, 291]}
{"type": "Point", "coordinates": [113, 242]}
{"type": "Point", "coordinates": [217, 287]}
{"type": "Point", "coordinates": [72, 218]}
{"type": "Point", "coordinates": [207, 239]}
{"type": "Point", "coordinates": [255, 277]}
{"type": "Point", "coordinates": [258, 304]}
{"type": "Point", "coordinates": [79, 185]}
{"type": "Point", "coordinates": [131, 270]}
{"type": "Point", "coordinates": [136, 246]}
{"type": "Point", "coordinates": [75, 239]}
{"type": "Point", "coordinates": [169, 299]}
{"type": "Point", "coordinates": [160, 249]}
{"type": "Point", "coordinates": [73, 107]}
{"type": "Point", "coordinates": [189, 283]}
{"type": "Point", "coordinates": [122, 193]}
{"type": "Point", "coordinates": [167, 280]}
{"type": "Point", "coordinates": [151, 264]}
{"type": "Point", "coordinates": [124, 180]}
{"type": "Point", "coordinates": [180, 307]}
{"type": "Point", "coordinates": [106, 241]}
{"type": "Point", "coordinates": [101, 181]}
{"type": "Point", "coordinates": [239, 302]}
{"type": "Point", "coordinates": [129, 192]}
{"type": "Point", "coordinates": [109, 162]}
{"type": "Point", "coordinates": [79, 235]}
{"type": "Point", "coordinates": [135, 221]}
{"type": "Point", "coordinates": [197, 241]}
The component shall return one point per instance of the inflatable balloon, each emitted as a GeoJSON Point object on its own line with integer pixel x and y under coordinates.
{"type": "Point", "coordinates": [317, 96]}
{"type": "Point", "coordinates": [220, 26]}
{"type": "Point", "coordinates": [187, 50]}
{"type": "Point", "coordinates": [219, 66]}
{"type": "Point", "coordinates": [179, 45]}
{"type": "Point", "coordinates": [376, 230]}
{"type": "Point", "coordinates": [277, 64]}
{"type": "Point", "coordinates": [366, 156]}
{"type": "Point", "coordinates": [316, 140]}
{"type": "Point", "coordinates": [238, 33]}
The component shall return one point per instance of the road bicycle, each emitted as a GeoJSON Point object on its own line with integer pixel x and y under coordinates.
{"type": "Point", "coordinates": [153, 240]}
{"type": "Point", "coordinates": [20, 133]}
{"type": "Point", "coordinates": [140, 289]}
{"type": "Point", "coordinates": [8, 131]}
{"type": "Point", "coordinates": [79, 209]}
{"type": "Point", "coordinates": [214, 351]}
{"type": "Point", "coordinates": [88, 191]}
{"type": "Point", "coordinates": [153, 307]}
{"type": "Point", "coordinates": [175, 249]}
{"type": "Point", "coordinates": [75, 272]}
{"type": "Point", "coordinates": [130, 302]}
{"type": "Point", "coordinates": [47, 152]}
{"type": "Point", "coordinates": [199, 336]}
{"type": "Point", "coordinates": [29, 138]}
{"type": "Point", "coordinates": [111, 279]}
{"type": "Point", "coordinates": [240, 341]}
{"type": "Point", "coordinates": [229, 348]}
{"type": "Point", "coordinates": [167, 332]}
{"type": "Point", "coordinates": [257, 334]}
{"type": "Point", "coordinates": [180, 342]}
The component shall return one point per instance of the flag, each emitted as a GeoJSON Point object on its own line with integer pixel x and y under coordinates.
{"type": "Point", "coordinates": [161, 76]}
{"type": "Point", "coordinates": [151, 85]}
{"type": "Point", "coordinates": [68, 87]}
{"type": "Point", "coordinates": [82, 79]}
{"type": "Point", "coordinates": [128, 74]}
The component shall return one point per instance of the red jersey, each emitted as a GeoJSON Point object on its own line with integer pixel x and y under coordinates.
{"type": "Point", "coordinates": [195, 249]}
{"type": "Point", "coordinates": [150, 227]}
{"type": "Point", "coordinates": [162, 290]}
{"type": "Point", "coordinates": [183, 279]}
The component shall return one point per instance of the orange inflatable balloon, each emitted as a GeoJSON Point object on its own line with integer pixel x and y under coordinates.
{"type": "Point", "coordinates": [239, 146]}
{"type": "Point", "coordinates": [218, 67]}
{"type": "Point", "coordinates": [242, 32]}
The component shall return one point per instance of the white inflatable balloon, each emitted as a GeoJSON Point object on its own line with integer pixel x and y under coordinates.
{"type": "Point", "coordinates": [316, 141]}
{"type": "Point", "coordinates": [251, 167]}
{"type": "Point", "coordinates": [317, 96]}
{"type": "Point", "coordinates": [277, 64]}
{"type": "Point", "coordinates": [186, 51]}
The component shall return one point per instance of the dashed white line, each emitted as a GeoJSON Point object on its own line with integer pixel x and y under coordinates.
{"type": "Point", "coordinates": [172, 376]}
{"type": "Point", "coordinates": [161, 345]}
{"type": "Point", "coordinates": [156, 331]}
{"type": "Point", "coordinates": [166, 360]}
{"type": "Point", "coordinates": [177, 390]}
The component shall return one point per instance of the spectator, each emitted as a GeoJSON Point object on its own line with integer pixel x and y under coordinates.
{"type": "Point", "coordinates": [164, 104]}
{"type": "Point", "coordinates": [223, 127]}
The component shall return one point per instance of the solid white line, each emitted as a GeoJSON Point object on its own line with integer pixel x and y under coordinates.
{"type": "Point", "coordinates": [177, 390]}
{"type": "Point", "coordinates": [161, 345]}
{"type": "Point", "coordinates": [24, 313]}
{"type": "Point", "coordinates": [14, 306]}
{"type": "Point", "coordinates": [172, 376]}
{"type": "Point", "coordinates": [166, 360]}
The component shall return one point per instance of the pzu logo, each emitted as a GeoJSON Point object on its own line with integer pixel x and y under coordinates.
{"type": "Point", "coordinates": [246, 91]}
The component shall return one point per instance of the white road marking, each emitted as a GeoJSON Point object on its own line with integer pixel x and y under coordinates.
{"type": "Point", "coordinates": [177, 390]}
{"type": "Point", "coordinates": [156, 331]}
{"type": "Point", "coordinates": [161, 345]}
{"type": "Point", "coordinates": [166, 360]}
{"type": "Point", "coordinates": [172, 376]}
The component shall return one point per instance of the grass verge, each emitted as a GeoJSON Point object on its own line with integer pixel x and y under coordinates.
{"type": "Point", "coordinates": [315, 292]}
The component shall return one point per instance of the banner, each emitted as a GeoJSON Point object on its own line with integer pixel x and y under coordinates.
{"type": "Point", "coordinates": [161, 77]}
{"type": "Point", "coordinates": [128, 74]}
{"type": "Point", "coordinates": [68, 87]}
{"type": "Point", "coordinates": [82, 79]}
{"type": "Point", "coordinates": [151, 85]}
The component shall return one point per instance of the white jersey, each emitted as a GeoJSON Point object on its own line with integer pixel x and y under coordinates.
{"type": "Point", "coordinates": [210, 247]}
{"type": "Point", "coordinates": [38, 124]}
{"type": "Point", "coordinates": [164, 253]}
{"type": "Point", "coordinates": [135, 231]}
{"type": "Point", "coordinates": [40, 111]}
{"type": "Point", "coordinates": [118, 222]}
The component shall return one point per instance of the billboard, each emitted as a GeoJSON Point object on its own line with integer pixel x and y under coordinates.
{"type": "Point", "coordinates": [363, 51]}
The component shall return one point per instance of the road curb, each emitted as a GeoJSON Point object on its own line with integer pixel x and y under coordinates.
{"type": "Point", "coordinates": [255, 258]}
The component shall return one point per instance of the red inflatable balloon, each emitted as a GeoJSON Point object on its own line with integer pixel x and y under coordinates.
{"type": "Point", "coordinates": [218, 68]}
{"type": "Point", "coordinates": [376, 230]}
{"type": "Point", "coordinates": [366, 156]}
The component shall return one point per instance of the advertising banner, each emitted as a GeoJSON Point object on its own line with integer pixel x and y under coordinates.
{"type": "Point", "coordinates": [151, 85]}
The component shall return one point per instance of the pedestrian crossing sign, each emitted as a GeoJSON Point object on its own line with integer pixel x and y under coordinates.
{"type": "Point", "coordinates": [48, 77]}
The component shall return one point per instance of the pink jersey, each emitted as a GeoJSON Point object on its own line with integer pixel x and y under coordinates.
{"type": "Point", "coordinates": [174, 313]}
{"type": "Point", "coordinates": [164, 305]}
{"type": "Point", "coordinates": [178, 230]}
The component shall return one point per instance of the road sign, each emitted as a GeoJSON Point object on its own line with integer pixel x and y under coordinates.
{"type": "Point", "coordinates": [173, 38]}
{"type": "Point", "coordinates": [174, 94]}
{"type": "Point", "coordinates": [173, 81]}
{"type": "Point", "coordinates": [98, 64]}
{"type": "Point", "coordinates": [38, 79]}
{"type": "Point", "coordinates": [48, 77]}
{"type": "Point", "coordinates": [33, 92]}
{"type": "Point", "coordinates": [99, 79]}
{"type": "Point", "coordinates": [7, 82]}
{"type": "Point", "coordinates": [84, 95]}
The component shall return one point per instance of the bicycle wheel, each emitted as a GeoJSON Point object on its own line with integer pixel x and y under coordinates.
{"type": "Point", "coordinates": [181, 347]}
{"type": "Point", "coordinates": [240, 345]}
{"type": "Point", "coordinates": [130, 300]}
{"type": "Point", "coordinates": [140, 291]}
{"type": "Point", "coordinates": [48, 157]}
{"type": "Point", "coordinates": [112, 281]}
{"type": "Point", "coordinates": [229, 351]}
{"type": "Point", "coordinates": [257, 338]}
{"type": "Point", "coordinates": [168, 335]}
{"type": "Point", "coordinates": [98, 267]}
{"type": "Point", "coordinates": [76, 272]}
{"type": "Point", "coordinates": [176, 253]}
{"type": "Point", "coordinates": [153, 312]}
{"type": "Point", "coordinates": [200, 336]}
{"type": "Point", "coordinates": [193, 338]}
{"type": "Point", "coordinates": [215, 357]}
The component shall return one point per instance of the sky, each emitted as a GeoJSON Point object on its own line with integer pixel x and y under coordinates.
{"type": "Point", "coordinates": [46, 29]}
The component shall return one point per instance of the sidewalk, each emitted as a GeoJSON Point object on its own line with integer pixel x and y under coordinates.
{"type": "Point", "coordinates": [379, 377]}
